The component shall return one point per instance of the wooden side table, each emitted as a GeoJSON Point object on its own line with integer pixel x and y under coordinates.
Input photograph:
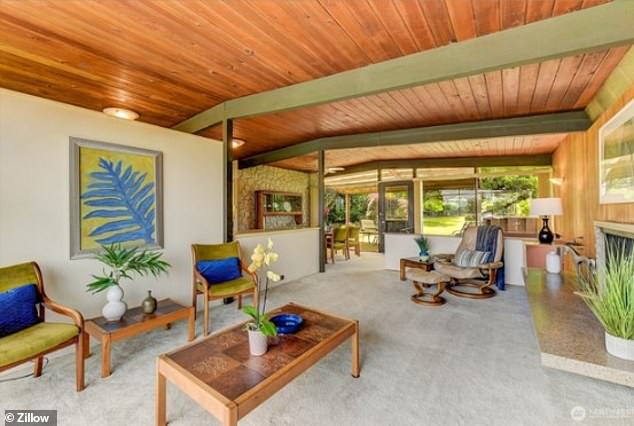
{"type": "Point", "coordinates": [135, 322]}
{"type": "Point", "coordinates": [414, 262]}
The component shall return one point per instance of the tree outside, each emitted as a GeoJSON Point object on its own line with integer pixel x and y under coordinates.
{"type": "Point", "coordinates": [446, 211]}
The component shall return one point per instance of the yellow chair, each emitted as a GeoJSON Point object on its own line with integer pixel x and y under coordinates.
{"type": "Point", "coordinates": [42, 338]}
{"type": "Point", "coordinates": [354, 238]}
{"type": "Point", "coordinates": [241, 286]}
{"type": "Point", "coordinates": [340, 242]}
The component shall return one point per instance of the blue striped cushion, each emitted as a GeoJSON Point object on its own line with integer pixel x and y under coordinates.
{"type": "Point", "coordinates": [470, 258]}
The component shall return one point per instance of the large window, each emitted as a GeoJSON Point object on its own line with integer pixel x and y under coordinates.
{"type": "Point", "coordinates": [504, 201]}
{"type": "Point", "coordinates": [362, 206]}
{"type": "Point", "coordinates": [448, 206]}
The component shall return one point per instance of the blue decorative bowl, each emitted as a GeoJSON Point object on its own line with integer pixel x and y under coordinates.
{"type": "Point", "coordinates": [287, 323]}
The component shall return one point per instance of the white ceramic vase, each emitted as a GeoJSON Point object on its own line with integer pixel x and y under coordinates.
{"type": "Point", "coordinates": [116, 307]}
{"type": "Point", "coordinates": [553, 263]}
{"type": "Point", "coordinates": [619, 347]}
{"type": "Point", "coordinates": [258, 343]}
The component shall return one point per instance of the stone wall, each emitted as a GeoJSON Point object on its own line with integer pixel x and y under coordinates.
{"type": "Point", "coordinates": [269, 178]}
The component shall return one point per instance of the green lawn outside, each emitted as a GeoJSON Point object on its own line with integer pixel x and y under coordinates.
{"type": "Point", "coordinates": [447, 225]}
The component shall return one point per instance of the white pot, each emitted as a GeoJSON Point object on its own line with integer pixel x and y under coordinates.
{"type": "Point", "coordinates": [258, 343]}
{"type": "Point", "coordinates": [553, 263]}
{"type": "Point", "coordinates": [116, 307]}
{"type": "Point", "coordinates": [619, 347]}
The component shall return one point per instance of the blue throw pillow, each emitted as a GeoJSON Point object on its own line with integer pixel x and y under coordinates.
{"type": "Point", "coordinates": [18, 309]}
{"type": "Point", "coordinates": [219, 270]}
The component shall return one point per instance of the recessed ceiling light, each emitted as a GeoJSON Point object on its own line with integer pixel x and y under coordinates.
{"type": "Point", "coordinates": [126, 114]}
{"type": "Point", "coordinates": [237, 143]}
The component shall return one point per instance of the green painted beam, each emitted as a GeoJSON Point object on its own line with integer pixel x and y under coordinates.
{"type": "Point", "coordinates": [435, 163]}
{"type": "Point", "coordinates": [586, 30]}
{"type": "Point", "coordinates": [561, 122]}
{"type": "Point", "coordinates": [227, 173]}
{"type": "Point", "coordinates": [321, 170]}
{"type": "Point", "coordinates": [620, 80]}
{"type": "Point", "coordinates": [202, 120]}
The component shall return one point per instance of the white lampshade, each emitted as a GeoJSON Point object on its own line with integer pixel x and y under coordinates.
{"type": "Point", "coordinates": [546, 207]}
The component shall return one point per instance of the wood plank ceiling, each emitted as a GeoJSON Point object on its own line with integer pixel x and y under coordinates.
{"type": "Point", "coordinates": [170, 60]}
{"type": "Point", "coordinates": [492, 147]}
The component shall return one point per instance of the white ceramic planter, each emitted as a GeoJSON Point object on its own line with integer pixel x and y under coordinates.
{"type": "Point", "coordinates": [619, 347]}
{"type": "Point", "coordinates": [116, 307]}
{"type": "Point", "coordinates": [258, 343]}
{"type": "Point", "coordinates": [553, 263]}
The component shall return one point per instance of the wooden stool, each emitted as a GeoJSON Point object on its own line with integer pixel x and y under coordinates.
{"type": "Point", "coordinates": [425, 279]}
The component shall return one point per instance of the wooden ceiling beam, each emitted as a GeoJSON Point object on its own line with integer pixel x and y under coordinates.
{"type": "Point", "coordinates": [561, 122]}
{"type": "Point", "coordinates": [595, 28]}
{"type": "Point", "coordinates": [435, 163]}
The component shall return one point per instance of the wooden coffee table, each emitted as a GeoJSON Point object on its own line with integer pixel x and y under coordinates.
{"type": "Point", "coordinates": [414, 262]}
{"type": "Point", "coordinates": [135, 322]}
{"type": "Point", "coordinates": [219, 373]}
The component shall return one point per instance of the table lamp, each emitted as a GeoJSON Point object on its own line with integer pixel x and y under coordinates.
{"type": "Point", "coordinates": [545, 207]}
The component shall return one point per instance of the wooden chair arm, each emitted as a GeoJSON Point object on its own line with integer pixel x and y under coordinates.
{"type": "Point", "coordinates": [446, 257]}
{"type": "Point", "coordinates": [75, 315]}
{"type": "Point", "coordinates": [249, 273]}
{"type": "Point", "coordinates": [492, 265]}
{"type": "Point", "coordinates": [200, 278]}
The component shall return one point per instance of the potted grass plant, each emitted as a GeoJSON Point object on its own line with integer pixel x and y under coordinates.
{"type": "Point", "coordinates": [122, 263]}
{"type": "Point", "coordinates": [423, 248]}
{"type": "Point", "coordinates": [610, 296]}
{"type": "Point", "coordinates": [261, 328]}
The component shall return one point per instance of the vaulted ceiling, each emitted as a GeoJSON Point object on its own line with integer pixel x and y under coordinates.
{"type": "Point", "coordinates": [169, 60]}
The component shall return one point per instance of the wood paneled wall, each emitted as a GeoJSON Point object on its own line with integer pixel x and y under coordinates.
{"type": "Point", "coordinates": [576, 160]}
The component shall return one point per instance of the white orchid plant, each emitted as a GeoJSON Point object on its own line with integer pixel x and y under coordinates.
{"type": "Point", "coordinates": [261, 261]}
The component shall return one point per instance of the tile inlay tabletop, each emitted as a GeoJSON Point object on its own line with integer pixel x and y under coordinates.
{"type": "Point", "coordinates": [219, 373]}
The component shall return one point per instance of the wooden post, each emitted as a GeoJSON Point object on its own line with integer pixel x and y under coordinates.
{"type": "Point", "coordinates": [322, 193]}
{"type": "Point", "coordinates": [227, 164]}
{"type": "Point", "coordinates": [347, 207]}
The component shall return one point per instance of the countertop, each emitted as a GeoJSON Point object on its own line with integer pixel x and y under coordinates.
{"type": "Point", "coordinates": [570, 337]}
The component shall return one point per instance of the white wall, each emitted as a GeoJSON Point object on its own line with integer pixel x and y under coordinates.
{"type": "Point", "coordinates": [298, 250]}
{"type": "Point", "coordinates": [398, 246]}
{"type": "Point", "coordinates": [34, 195]}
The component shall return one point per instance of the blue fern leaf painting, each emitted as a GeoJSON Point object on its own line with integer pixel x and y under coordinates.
{"type": "Point", "coordinates": [118, 201]}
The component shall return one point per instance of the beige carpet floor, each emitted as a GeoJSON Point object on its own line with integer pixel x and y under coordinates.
{"type": "Point", "coordinates": [471, 362]}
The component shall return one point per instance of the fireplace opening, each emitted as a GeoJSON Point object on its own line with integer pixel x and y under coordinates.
{"type": "Point", "coordinates": [616, 246]}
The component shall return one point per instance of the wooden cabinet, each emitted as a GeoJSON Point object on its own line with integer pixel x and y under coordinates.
{"type": "Point", "coordinates": [280, 204]}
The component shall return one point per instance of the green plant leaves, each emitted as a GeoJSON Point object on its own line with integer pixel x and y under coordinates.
{"type": "Point", "coordinates": [100, 284]}
{"type": "Point", "coordinates": [260, 322]}
{"type": "Point", "coordinates": [611, 297]}
{"type": "Point", "coordinates": [251, 311]}
{"type": "Point", "coordinates": [267, 327]}
{"type": "Point", "coordinates": [123, 262]}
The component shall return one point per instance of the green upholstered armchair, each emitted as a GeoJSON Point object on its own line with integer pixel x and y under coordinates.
{"type": "Point", "coordinates": [238, 287]}
{"type": "Point", "coordinates": [36, 341]}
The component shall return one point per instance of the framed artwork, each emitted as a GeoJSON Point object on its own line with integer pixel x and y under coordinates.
{"type": "Point", "coordinates": [616, 158]}
{"type": "Point", "coordinates": [116, 197]}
